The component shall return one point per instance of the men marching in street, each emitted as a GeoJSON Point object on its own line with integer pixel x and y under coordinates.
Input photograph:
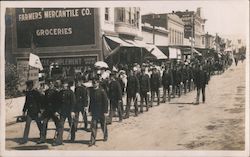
{"type": "Point", "coordinates": [32, 110]}
{"type": "Point", "coordinates": [201, 80]}
{"type": "Point", "coordinates": [154, 86]}
{"type": "Point", "coordinates": [132, 90]}
{"type": "Point", "coordinates": [115, 97]}
{"type": "Point", "coordinates": [81, 95]}
{"type": "Point", "coordinates": [51, 110]}
{"type": "Point", "coordinates": [167, 82]}
{"type": "Point", "coordinates": [144, 89]}
{"type": "Point", "coordinates": [98, 109]}
{"type": "Point", "coordinates": [68, 101]}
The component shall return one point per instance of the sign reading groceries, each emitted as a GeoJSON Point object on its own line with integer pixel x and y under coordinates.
{"type": "Point", "coordinates": [50, 27]}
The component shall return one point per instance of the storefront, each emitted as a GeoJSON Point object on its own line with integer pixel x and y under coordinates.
{"type": "Point", "coordinates": [69, 37]}
{"type": "Point", "coordinates": [127, 51]}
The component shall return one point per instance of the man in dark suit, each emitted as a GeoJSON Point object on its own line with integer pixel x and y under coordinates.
{"type": "Point", "coordinates": [32, 110]}
{"type": "Point", "coordinates": [67, 98]}
{"type": "Point", "coordinates": [154, 86]}
{"type": "Point", "coordinates": [144, 89]}
{"type": "Point", "coordinates": [201, 80]}
{"type": "Point", "coordinates": [81, 95]}
{"type": "Point", "coordinates": [51, 109]}
{"type": "Point", "coordinates": [179, 80]}
{"type": "Point", "coordinates": [167, 81]}
{"type": "Point", "coordinates": [132, 89]}
{"type": "Point", "coordinates": [98, 108]}
{"type": "Point", "coordinates": [115, 97]}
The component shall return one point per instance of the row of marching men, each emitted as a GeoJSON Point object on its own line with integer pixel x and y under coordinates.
{"type": "Point", "coordinates": [105, 96]}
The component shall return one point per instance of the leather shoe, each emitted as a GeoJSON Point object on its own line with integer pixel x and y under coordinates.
{"type": "Point", "coordinates": [56, 144]}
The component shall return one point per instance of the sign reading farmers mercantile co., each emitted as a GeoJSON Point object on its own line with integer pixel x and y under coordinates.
{"type": "Point", "coordinates": [51, 27]}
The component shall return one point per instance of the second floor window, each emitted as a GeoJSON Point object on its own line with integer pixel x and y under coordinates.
{"type": "Point", "coordinates": [106, 14]}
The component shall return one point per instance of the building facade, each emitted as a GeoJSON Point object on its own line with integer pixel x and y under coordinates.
{"type": "Point", "coordinates": [156, 35]}
{"type": "Point", "coordinates": [176, 29]}
{"type": "Point", "coordinates": [194, 24]}
{"type": "Point", "coordinates": [209, 41]}
{"type": "Point", "coordinates": [70, 37]}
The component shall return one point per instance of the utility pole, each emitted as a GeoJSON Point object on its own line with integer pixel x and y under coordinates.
{"type": "Point", "coordinates": [192, 37]}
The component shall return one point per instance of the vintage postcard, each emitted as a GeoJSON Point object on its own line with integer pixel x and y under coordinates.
{"type": "Point", "coordinates": [124, 78]}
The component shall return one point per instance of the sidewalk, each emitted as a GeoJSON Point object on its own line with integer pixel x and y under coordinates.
{"type": "Point", "coordinates": [13, 108]}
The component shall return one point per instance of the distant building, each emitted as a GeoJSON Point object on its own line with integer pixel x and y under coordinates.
{"type": "Point", "coordinates": [209, 41]}
{"type": "Point", "coordinates": [172, 24]}
{"type": "Point", "coordinates": [156, 35]}
{"type": "Point", "coordinates": [194, 26]}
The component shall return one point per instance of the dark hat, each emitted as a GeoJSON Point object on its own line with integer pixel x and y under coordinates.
{"type": "Point", "coordinates": [29, 82]}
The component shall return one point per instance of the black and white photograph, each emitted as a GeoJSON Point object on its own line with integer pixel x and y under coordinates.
{"type": "Point", "coordinates": [125, 78]}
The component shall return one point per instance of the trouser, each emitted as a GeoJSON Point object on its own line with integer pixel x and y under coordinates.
{"type": "Point", "coordinates": [95, 120]}
{"type": "Point", "coordinates": [185, 86]}
{"type": "Point", "coordinates": [59, 138]}
{"type": "Point", "coordinates": [27, 127]}
{"type": "Point", "coordinates": [144, 97]}
{"type": "Point", "coordinates": [165, 89]}
{"type": "Point", "coordinates": [114, 104]}
{"type": "Point", "coordinates": [202, 89]}
{"type": "Point", "coordinates": [45, 124]}
{"type": "Point", "coordinates": [189, 85]}
{"type": "Point", "coordinates": [178, 90]}
{"type": "Point", "coordinates": [153, 92]}
{"type": "Point", "coordinates": [85, 118]}
{"type": "Point", "coordinates": [128, 105]}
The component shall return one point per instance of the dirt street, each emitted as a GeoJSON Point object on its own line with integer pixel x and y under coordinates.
{"type": "Point", "coordinates": [217, 124]}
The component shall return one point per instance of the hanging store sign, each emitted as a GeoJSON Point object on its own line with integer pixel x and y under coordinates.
{"type": "Point", "coordinates": [51, 27]}
{"type": "Point", "coordinates": [70, 61]}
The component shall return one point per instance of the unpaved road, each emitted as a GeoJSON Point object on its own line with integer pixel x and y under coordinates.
{"type": "Point", "coordinates": [179, 125]}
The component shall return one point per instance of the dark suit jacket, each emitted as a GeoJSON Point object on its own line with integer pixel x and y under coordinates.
{"type": "Point", "coordinates": [201, 78]}
{"type": "Point", "coordinates": [115, 91]}
{"type": "Point", "coordinates": [133, 86]}
{"type": "Point", "coordinates": [98, 102]}
{"type": "Point", "coordinates": [52, 101]}
{"type": "Point", "coordinates": [144, 83]}
{"type": "Point", "coordinates": [155, 81]}
{"type": "Point", "coordinates": [32, 103]}
{"type": "Point", "coordinates": [167, 78]}
{"type": "Point", "coordinates": [68, 102]}
{"type": "Point", "coordinates": [81, 95]}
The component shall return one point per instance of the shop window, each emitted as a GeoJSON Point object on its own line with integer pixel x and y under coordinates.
{"type": "Point", "coordinates": [107, 14]}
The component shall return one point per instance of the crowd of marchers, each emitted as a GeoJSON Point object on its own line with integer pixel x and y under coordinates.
{"type": "Point", "coordinates": [100, 93]}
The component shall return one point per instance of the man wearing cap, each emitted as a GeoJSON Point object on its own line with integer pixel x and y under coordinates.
{"type": "Point", "coordinates": [81, 95]}
{"type": "Point", "coordinates": [132, 90]}
{"type": "Point", "coordinates": [144, 88]}
{"type": "Point", "coordinates": [167, 81]}
{"type": "Point", "coordinates": [67, 107]}
{"type": "Point", "coordinates": [98, 108]}
{"type": "Point", "coordinates": [51, 109]}
{"type": "Point", "coordinates": [115, 97]}
{"type": "Point", "coordinates": [201, 80]}
{"type": "Point", "coordinates": [154, 86]}
{"type": "Point", "coordinates": [32, 110]}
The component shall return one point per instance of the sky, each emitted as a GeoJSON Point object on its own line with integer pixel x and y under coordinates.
{"type": "Point", "coordinates": [227, 18]}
